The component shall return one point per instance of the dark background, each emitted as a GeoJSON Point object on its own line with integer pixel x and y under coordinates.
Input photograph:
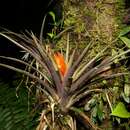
{"type": "Point", "coordinates": [18, 15]}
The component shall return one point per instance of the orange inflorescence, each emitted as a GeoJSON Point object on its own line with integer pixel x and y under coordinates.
{"type": "Point", "coordinates": [62, 66]}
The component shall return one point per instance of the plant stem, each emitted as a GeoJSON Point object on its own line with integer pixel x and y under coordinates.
{"type": "Point", "coordinates": [85, 118]}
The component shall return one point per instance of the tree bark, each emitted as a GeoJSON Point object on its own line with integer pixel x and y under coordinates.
{"type": "Point", "coordinates": [97, 21]}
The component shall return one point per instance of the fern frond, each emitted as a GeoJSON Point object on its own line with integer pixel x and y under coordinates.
{"type": "Point", "coordinates": [14, 113]}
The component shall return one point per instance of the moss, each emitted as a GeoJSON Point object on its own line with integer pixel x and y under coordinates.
{"type": "Point", "coordinates": [96, 21]}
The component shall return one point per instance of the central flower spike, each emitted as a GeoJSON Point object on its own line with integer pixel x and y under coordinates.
{"type": "Point", "coordinates": [60, 61]}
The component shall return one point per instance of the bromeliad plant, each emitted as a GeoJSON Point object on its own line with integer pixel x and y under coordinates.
{"type": "Point", "coordinates": [64, 79]}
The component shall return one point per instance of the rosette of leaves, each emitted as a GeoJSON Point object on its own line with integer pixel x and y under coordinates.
{"type": "Point", "coordinates": [64, 80]}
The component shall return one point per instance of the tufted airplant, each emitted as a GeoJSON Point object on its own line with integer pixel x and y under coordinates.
{"type": "Point", "coordinates": [65, 78]}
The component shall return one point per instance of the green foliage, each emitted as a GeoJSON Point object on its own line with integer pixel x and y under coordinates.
{"type": "Point", "coordinates": [57, 25]}
{"type": "Point", "coordinates": [126, 92]}
{"type": "Point", "coordinates": [14, 114]}
{"type": "Point", "coordinates": [62, 93]}
{"type": "Point", "coordinates": [120, 111]}
{"type": "Point", "coordinates": [96, 106]}
{"type": "Point", "coordinates": [84, 77]}
{"type": "Point", "coordinates": [124, 31]}
{"type": "Point", "coordinates": [53, 17]}
{"type": "Point", "coordinates": [123, 36]}
{"type": "Point", "coordinates": [98, 111]}
{"type": "Point", "coordinates": [126, 41]}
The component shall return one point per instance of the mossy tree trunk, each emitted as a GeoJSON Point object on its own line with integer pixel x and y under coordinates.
{"type": "Point", "coordinates": [97, 21]}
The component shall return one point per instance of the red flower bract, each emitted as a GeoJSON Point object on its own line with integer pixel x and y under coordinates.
{"type": "Point", "coordinates": [62, 66]}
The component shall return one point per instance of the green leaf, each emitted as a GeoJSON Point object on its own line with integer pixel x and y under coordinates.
{"type": "Point", "coordinates": [100, 112]}
{"type": "Point", "coordinates": [126, 41]}
{"type": "Point", "coordinates": [126, 98]}
{"type": "Point", "coordinates": [53, 16]}
{"type": "Point", "coordinates": [120, 111]}
{"type": "Point", "coordinates": [114, 53]}
{"type": "Point", "coordinates": [124, 31]}
{"type": "Point", "coordinates": [127, 90]}
{"type": "Point", "coordinates": [51, 35]}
